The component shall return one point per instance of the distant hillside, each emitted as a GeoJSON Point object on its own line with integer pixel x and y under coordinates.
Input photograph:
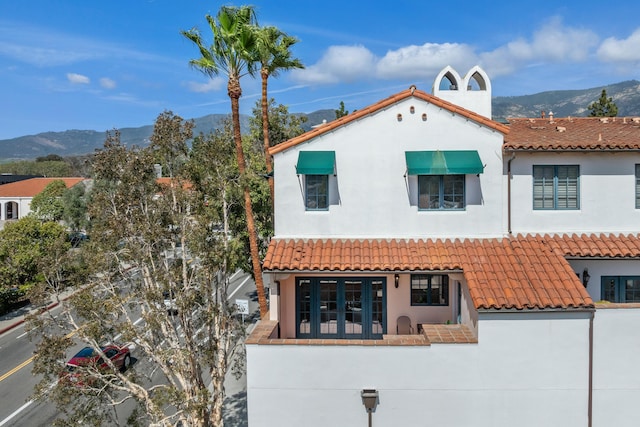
{"type": "Point", "coordinates": [79, 142]}
{"type": "Point", "coordinates": [563, 103]}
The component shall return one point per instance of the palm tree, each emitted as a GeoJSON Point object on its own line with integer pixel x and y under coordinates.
{"type": "Point", "coordinates": [274, 55]}
{"type": "Point", "coordinates": [232, 52]}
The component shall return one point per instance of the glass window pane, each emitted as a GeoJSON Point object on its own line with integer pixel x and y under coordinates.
{"type": "Point", "coordinates": [632, 290]}
{"type": "Point", "coordinates": [377, 321]}
{"type": "Point", "coordinates": [428, 192]}
{"type": "Point", "coordinates": [353, 306]}
{"type": "Point", "coordinates": [316, 192]}
{"type": "Point", "coordinates": [304, 306]}
{"type": "Point", "coordinates": [453, 197]}
{"type": "Point", "coordinates": [609, 290]}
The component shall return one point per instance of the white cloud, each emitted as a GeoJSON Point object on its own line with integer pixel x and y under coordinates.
{"type": "Point", "coordinates": [552, 43]}
{"type": "Point", "coordinates": [626, 50]}
{"type": "Point", "coordinates": [339, 64]}
{"type": "Point", "coordinates": [421, 61]}
{"type": "Point", "coordinates": [213, 84]}
{"type": "Point", "coordinates": [107, 83]}
{"type": "Point", "coordinates": [78, 79]}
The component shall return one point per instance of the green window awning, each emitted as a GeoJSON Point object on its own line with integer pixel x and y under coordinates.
{"type": "Point", "coordinates": [443, 162]}
{"type": "Point", "coordinates": [316, 163]}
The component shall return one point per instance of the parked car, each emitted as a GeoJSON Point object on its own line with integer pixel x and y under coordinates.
{"type": "Point", "coordinates": [119, 356]}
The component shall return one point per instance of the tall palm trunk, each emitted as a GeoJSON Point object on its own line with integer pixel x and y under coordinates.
{"type": "Point", "coordinates": [234, 92]}
{"type": "Point", "coordinates": [265, 131]}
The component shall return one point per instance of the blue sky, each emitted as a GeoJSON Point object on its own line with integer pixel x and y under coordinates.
{"type": "Point", "coordinates": [86, 64]}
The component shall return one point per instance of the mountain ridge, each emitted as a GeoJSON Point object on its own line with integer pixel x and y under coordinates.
{"type": "Point", "coordinates": [562, 103]}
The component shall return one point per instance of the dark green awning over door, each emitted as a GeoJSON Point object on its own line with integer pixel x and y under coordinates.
{"type": "Point", "coordinates": [316, 163]}
{"type": "Point", "coordinates": [443, 162]}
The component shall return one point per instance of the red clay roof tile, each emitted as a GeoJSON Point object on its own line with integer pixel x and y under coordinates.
{"type": "Point", "coordinates": [519, 272]}
{"type": "Point", "coordinates": [573, 133]}
{"type": "Point", "coordinates": [33, 186]}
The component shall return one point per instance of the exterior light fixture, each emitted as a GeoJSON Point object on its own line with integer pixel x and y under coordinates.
{"type": "Point", "coordinates": [585, 277]}
{"type": "Point", "coordinates": [396, 279]}
{"type": "Point", "coordinates": [424, 117]}
{"type": "Point", "coordinates": [412, 109]}
{"type": "Point", "coordinates": [370, 401]}
{"type": "Point", "coordinates": [399, 117]}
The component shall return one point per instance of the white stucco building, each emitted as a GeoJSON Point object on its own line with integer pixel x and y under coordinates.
{"type": "Point", "coordinates": [448, 265]}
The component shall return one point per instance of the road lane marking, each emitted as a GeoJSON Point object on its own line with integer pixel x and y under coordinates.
{"type": "Point", "coordinates": [26, 362]}
{"type": "Point", "coordinates": [16, 412]}
{"type": "Point", "coordinates": [241, 285]}
{"type": "Point", "coordinates": [16, 369]}
{"type": "Point", "coordinates": [21, 335]}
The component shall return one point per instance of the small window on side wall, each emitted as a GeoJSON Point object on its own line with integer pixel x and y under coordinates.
{"type": "Point", "coordinates": [316, 192]}
{"type": "Point", "coordinates": [429, 289]}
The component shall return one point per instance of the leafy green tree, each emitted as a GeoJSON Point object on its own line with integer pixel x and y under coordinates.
{"type": "Point", "coordinates": [233, 53]}
{"type": "Point", "coordinates": [341, 112]}
{"type": "Point", "coordinates": [74, 203]}
{"type": "Point", "coordinates": [603, 107]}
{"type": "Point", "coordinates": [48, 204]}
{"type": "Point", "coordinates": [48, 168]}
{"type": "Point", "coordinates": [50, 157]}
{"type": "Point", "coordinates": [273, 49]}
{"type": "Point", "coordinates": [156, 237]}
{"type": "Point", "coordinates": [23, 245]}
{"type": "Point", "coordinates": [282, 124]}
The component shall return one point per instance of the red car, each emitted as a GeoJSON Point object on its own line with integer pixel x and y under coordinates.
{"type": "Point", "coordinates": [120, 357]}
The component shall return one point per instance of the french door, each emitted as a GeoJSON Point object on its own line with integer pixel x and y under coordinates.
{"type": "Point", "coordinates": [351, 307]}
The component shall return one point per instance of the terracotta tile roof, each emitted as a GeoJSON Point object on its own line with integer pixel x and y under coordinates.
{"type": "Point", "coordinates": [33, 186]}
{"type": "Point", "coordinates": [595, 245]}
{"type": "Point", "coordinates": [575, 133]}
{"type": "Point", "coordinates": [523, 272]}
{"type": "Point", "coordinates": [411, 92]}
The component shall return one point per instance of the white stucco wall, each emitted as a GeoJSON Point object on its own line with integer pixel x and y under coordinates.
{"type": "Point", "coordinates": [607, 194]}
{"type": "Point", "coordinates": [526, 370]}
{"type": "Point", "coordinates": [373, 198]}
{"type": "Point", "coordinates": [616, 379]}
{"type": "Point", "coordinates": [23, 205]}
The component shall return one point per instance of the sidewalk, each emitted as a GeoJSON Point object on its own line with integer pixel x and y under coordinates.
{"type": "Point", "coordinates": [16, 318]}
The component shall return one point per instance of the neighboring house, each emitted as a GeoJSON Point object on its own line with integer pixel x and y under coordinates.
{"type": "Point", "coordinates": [15, 197]}
{"type": "Point", "coordinates": [444, 267]}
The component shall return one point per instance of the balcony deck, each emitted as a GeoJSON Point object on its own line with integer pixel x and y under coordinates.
{"type": "Point", "coordinates": [266, 331]}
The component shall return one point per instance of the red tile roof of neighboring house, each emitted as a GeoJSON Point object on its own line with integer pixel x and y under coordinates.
{"type": "Point", "coordinates": [411, 92]}
{"type": "Point", "coordinates": [33, 186]}
{"type": "Point", "coordinates": [573, 133]}
{"type": "Point", "coordinates": [520, 272]}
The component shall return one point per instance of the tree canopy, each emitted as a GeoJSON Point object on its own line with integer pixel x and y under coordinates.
{"type": "Point", "coordinates": [157, 238]}
{"type": "Point", "coordinates": [603, 107]}
{"type": "Point", "coordinates": [48, 204]}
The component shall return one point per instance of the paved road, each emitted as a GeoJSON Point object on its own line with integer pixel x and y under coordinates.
{"type": "Point", "coordinates": [17, 381]}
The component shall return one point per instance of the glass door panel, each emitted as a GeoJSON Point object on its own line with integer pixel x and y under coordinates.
{"type": "Point", "coordinates": [377, 308]}
{"type": "Point", "coordinates": [353, 307]}
{"type": "Point", "coordinates": [328, 292]}
{"type": "Point", "coordinates": [304, 308]}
